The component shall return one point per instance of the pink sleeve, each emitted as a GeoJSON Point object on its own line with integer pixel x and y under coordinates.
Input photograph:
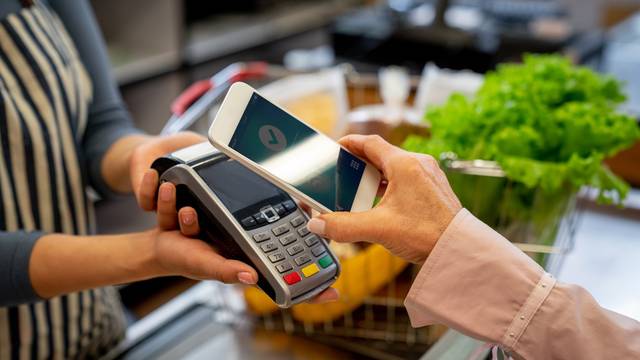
{"type": "Point", "coordinates": [477, 282]}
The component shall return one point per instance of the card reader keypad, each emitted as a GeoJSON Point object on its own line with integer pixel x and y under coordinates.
{"type": "Point", "coordinates": [295, 253]}
{"type": "Point", "coordinates": [284, 267]}
{"type": "Point", "coordinates": [297, 221]}
{"type": "Point", "coordinates": [268, 247]}
{"type": "Point", "coordinates": [295, 249]}
{"type": "Point", "coordinates": [318, 250]}
{"type": "Point", "coordinates": [260, 237]}
{"type": "Point", "coordinates": [303, 231]}
{"type": "Point", "coordinates": [276, 257]}
{"type": "Point", "coordinates": [287, 239]}
{"type": "Point", "coordinates": [260, 218]}
{"type": "Point", "coordinates": [279, 209]}
{"type": "Point", "coordinates": [301, 260]}
{"type": "Point", "coordinates": [311, 240]}
{"type": "Point", "coordinates": [280, 229]}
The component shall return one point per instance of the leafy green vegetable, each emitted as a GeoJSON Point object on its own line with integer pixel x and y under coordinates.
{"type": "Point", "coordinates": [547, 123]}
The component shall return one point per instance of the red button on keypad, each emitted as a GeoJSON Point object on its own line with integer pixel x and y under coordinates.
{"type": "Point", "coordinates": [292, 278]}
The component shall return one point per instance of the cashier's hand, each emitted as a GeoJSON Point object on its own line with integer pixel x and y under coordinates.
{"type": "Point", "coordinates": [417, 206]}
{"type": "Point", "coordinates": [144, 180]}
{"type": "Point", "coordinates": [181, 253]}
{"type": "Point", "coordinates": [178, 251]}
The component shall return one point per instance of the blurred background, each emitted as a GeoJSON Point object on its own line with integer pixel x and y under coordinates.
{"type": "Point", "coordinates": [394, 59]}
{"type": "Point", "coordinates": [164, 45]}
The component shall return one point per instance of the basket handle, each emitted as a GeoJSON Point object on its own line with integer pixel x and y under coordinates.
{"type": "Point", "coordinates": [194, 92]}
{"type": "Point", "coordinates": [232, 73]}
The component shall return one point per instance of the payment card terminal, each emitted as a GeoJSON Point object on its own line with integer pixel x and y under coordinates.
{"type": "Point", "coordinates": [248, 219]}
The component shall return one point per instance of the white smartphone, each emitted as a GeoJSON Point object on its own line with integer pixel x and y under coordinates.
{"type": "Point", "coordinates": [291, 154]}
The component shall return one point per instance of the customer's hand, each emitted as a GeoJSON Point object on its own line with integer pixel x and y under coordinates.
{"type": "Point", "coordinates": [144, 180]}
{"type": "Point", "coordinates": [417, 206]}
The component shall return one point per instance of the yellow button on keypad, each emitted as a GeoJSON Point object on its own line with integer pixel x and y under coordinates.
{"type": "Point", "coordinates": [310, 270]}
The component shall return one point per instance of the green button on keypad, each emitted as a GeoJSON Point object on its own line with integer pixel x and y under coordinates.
{"type": "Point", "coordinates": [325, 261]}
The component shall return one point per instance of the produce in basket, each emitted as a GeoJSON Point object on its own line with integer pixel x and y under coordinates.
{"type": "Point", "coordinates": [548, 124]}
{"type": "Point", "coordinates": [363, 274]}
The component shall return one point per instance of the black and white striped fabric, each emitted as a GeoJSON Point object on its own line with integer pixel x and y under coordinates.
{"type": "Point", "coordinates": [44, 96]}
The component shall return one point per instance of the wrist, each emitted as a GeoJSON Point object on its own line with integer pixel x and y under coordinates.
{"type": "Point", "coordinates": [133, 150]}
{"type": "Point", "coordinates": [435, 231]}
{"type": "Point", "coordinates": [431, 238]}
{"type": "Point", "coordinates": [116, 163]}
{"type": "Point", "coordinates": [147, 262]}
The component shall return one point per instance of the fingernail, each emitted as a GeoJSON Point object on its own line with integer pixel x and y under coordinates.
{"type": "Point", "coordinates": [316, 226]}
{"type": "Point", "coordinates": [246, 278]}
{"type": "Point", "coordinates": [165, 193]}
{"type": "Point", "coordinates": [331, 297]}
{"type": "Point", "coordinates": [336, 295]}
{"type": "Point", "coordinates": [328, 296]}
{"type": "Point", "coordinates": [146, 178]}
{"type": "Point", "coordinates": [188, 218]}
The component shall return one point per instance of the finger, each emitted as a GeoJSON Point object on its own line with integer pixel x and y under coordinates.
{"type": "Point", "coordinates": [146, 194]}
{"type": "Point", "coordinates": [305, 207]}
{"type": "Point", "coordinates": [328, 295]}
{"type": "Point", "coordinates": [146, 153]}
{"type": "Point", "coordinates": [166, 214]}
{"type": "Point", "coordinates": [188, 222]}
{"type": "Point", "coordinates": [372, 147]}
{"type": "Point", "coordinates": [346, 226]}
{"type": "Point", "coordinates": [382, 188]}
{"type": "Point", "coordinates": [178, 141]}
{"type": "Point", "coordinates": [184, 139]}
{"type": "Point", "coordinates": [139, 166]}
{"type": "Point", "coordinates": [216, 267]}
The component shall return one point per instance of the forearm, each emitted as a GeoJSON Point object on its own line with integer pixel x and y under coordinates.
{"type": "Point", "coordinates": [494, 292]}
{"type": "Point", "coordinates": [571, 324]}
{"type": "Point", "coordinates": [115, 167]}
{"type": "Point", "coordinates": [64, 263]}
{"type": "Point", "coordinates": [15, 252]}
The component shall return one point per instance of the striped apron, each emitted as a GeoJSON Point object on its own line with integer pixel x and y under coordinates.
{"type": "Point", "coordinates": [44, 97]}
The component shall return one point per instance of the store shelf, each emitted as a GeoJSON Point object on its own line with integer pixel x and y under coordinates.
{"type": "Point", "coordinates": [151, 37]}
{"type": "Point", "coordinates": [144, 66]}
{"type": "Point", "coordinates": [222, 35]}
{"type": "Point", "coordinates": [143, 37]}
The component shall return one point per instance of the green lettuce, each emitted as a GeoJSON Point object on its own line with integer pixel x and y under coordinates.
{"type": "Point", "coordinates": [547, 123]}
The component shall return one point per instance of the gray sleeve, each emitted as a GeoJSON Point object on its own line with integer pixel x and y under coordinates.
{"type": "Point", "coordinates": [108, 119]}
{"type": "Point", "coordinates": [15, 253]}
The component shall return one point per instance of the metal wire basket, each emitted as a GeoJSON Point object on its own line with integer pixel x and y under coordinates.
{"type": "Point", "coordinates": [539, 223]}
{"type": "Point", "coordinates": [380, 328]}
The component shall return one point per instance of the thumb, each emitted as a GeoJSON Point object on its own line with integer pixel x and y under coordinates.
{"type": "Point", "coordinates": [212, 266]}
{"type": "Point", "coordinates": [345, 226]}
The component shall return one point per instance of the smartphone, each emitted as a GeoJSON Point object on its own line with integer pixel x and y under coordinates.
{"type": "Point", "coordinates": [291, 154]}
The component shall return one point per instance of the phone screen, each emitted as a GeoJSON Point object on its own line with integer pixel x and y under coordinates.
{"type": "Point", "coordinates": [295, 153]}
